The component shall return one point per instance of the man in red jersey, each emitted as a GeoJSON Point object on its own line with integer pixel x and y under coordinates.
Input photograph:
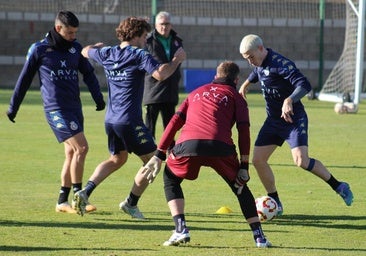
{"type": "Point", "coordinates": [206, 118]}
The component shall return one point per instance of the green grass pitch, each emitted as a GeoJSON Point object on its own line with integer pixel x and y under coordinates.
{"type": "Point", "coordinates": [316, 221]}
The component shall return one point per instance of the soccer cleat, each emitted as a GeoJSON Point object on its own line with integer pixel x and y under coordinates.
{"type": "Point", "coordinates": [345, 192]}
{"type": "Point", "coordinates": [262, 242]}
{"type": "Point", "coordinates": [178, 238]}
{"type": "Point", "coordinates": [133, 211]}
{"type": "Point", "coordinates": [279, 208]}
{"type": "Point", "coordinates": [90, 208]}
{"type": "Point", "coordinates": [64, 207]}
{"type": "Point", "coordinates": [81, 201]}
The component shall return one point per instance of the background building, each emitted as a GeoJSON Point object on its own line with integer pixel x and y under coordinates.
{"type": "Point", "coordinates": [211, 30]}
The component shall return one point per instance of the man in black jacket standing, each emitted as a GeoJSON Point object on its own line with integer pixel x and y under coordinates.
{"type": "Point", "coordinates": [162, 96]}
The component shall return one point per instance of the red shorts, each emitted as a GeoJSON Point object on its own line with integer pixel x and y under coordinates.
{"type": "Point", "coordinates": [188, 167]}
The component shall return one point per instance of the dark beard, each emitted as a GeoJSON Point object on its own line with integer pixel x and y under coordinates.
{"type": "Point", "coordinates": [56, 41]}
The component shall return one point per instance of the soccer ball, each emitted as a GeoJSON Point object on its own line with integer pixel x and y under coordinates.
{"type": "Point", "coordinates": [266, 208]}
{"type": "Point", "coordinates": [351, 107]}
{"type": "Point", "coordinates": [346, 107]}
{"type": "Point", "coordinates": [340, 108]}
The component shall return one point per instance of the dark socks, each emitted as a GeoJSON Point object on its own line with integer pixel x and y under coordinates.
{"type": "Point", "coordinates": [180, 223]}
{"type": "Point", "coordinates": [132, 199]}
{"type": "Point", "coordinates": [89, 187]}
{"type": "Point", "coordinates": [257, 230]}
{"type": "Point", "coordinates": [64, 195]}
{"type": "Point", "coordinates": [274, 195]}
{"type": "Point", "coordinates": [76, 187]}
{"type": "Point", "coordinates": [333, 182]}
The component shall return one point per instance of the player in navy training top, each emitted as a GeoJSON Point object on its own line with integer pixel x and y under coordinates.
{"type": "Point", "coordinates": [58, 60]}
{"type": "Point", "coordinates": [125, 66]}
{"type": "Point", "coordinates": [283, 85]}
{"type": "Point", "coordinates": [206, 118]}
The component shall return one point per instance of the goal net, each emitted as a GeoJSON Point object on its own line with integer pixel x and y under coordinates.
{"type": "Point", "coordinates": [344, 83]}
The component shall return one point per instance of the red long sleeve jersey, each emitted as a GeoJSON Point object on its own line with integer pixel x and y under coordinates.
{"type": "Point", "coordinates": [208, 115]}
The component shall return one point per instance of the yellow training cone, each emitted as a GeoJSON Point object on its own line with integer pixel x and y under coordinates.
{"type": "Point", "coordinates": [224, 210]}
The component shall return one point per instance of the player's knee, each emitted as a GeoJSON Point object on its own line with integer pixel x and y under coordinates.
{"type": "Point", "coordinates": [310, 166]}
{"type": "Point", "coordinates": [256, 161]}
{"type": "Point", "coordinates": [84, 150]}
{"type": "Point", "coordinates": [172, 187]}
{"type": "Point", "coordinates": [118, 160]}
{"type": "Point", "coordinates": [80, 151]}
{"type": "Point", "coordinates": [300, 162]}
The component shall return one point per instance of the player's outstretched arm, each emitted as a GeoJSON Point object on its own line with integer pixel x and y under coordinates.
{"type": "Point", "coordinates": [244, 88]}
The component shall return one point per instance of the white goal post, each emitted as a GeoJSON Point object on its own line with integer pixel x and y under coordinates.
{"type": "Point", "coordinates": [345, 82]}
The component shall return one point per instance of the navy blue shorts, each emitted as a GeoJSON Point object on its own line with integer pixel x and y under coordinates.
{"type": "Point", "coordinates": [133, 138]}
{"type": "Point", "coordinates": [276, 131]}
{"type": "Point", "coordinates": [65, 124]}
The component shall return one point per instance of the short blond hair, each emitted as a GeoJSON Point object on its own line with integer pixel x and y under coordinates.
{"type": "Point", "coordinates": [250, 42]}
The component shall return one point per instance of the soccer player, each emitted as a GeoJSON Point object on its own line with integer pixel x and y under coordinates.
{"type": "Point", "coordinates": [206, 117]}
{"type": "Point", "coordinates": [57, 59]}
{"type": "Point", "coordinates": [162, 96]}
{"type": "Point", "coordinates": [283, 85]}
{"type": "Point", "coordinates": [125, 66]}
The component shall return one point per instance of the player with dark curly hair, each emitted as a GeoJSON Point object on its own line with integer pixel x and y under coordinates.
{"type": "Point", "coordinates": [125, 66]}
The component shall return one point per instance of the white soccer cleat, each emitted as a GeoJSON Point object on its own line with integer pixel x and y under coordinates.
{"type": "Point", "coordinates": [64, 207]}
{"type": "Point", "coordinates": [133, 211]}
{"type": "Point", "coordinates": [178, 238]}
{"type": "Point", "coordinates": [262, 243]}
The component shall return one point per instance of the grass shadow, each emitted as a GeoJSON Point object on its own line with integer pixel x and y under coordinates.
{"type": "Point", "coordinates": [329, 166]}
{"type": "Point", "coordinates": [14, 248]}
{"type": "Point", "coordinates": [155, 223]}
{"type": "Point", "coordinates": [321, 221]}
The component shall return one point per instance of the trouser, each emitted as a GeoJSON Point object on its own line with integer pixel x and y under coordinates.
{"type": "Point", "coordinates": [152, 111]}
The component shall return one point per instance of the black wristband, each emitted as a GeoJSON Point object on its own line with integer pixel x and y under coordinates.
{"type": "Point", "coordinates": [160, 154]}
{"type": "Point", "coordinates": [244, 166]}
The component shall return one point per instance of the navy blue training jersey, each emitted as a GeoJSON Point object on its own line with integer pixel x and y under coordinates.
{"type": "Point", "coordinates": [278, 77]}
{"type": "Point", "coordinates": [125, 70]}
{"type": "Point", "coordinates": [58, 75]}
